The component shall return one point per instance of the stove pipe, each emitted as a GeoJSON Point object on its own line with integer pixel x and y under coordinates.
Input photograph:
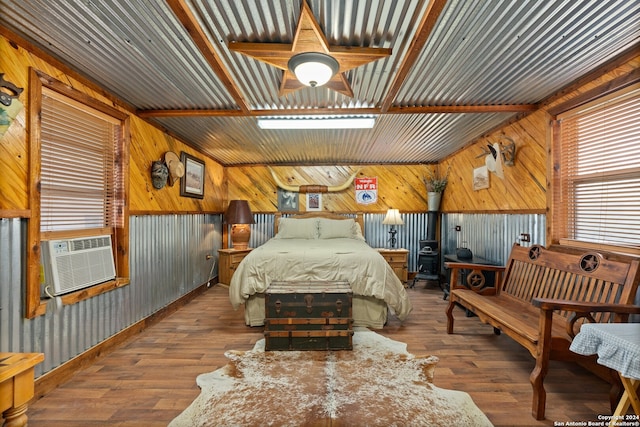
{"type": "Point", "coordinates": [432, 224]}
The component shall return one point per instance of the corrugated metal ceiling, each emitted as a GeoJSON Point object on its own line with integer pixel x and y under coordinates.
{"type": "Point", "coordinates": [488, 53]}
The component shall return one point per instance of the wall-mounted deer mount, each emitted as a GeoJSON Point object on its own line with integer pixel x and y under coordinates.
{"type": "Point", "coordinates": [507, 150]}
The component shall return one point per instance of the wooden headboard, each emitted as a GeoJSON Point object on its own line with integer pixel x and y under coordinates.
{"type": "Point", "coordinates": [359, 218]}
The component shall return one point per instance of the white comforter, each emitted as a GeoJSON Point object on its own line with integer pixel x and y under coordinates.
{"type": "Point", "coordinates": [342, 259]}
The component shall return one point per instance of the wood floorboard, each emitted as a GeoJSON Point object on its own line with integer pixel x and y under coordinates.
{"type": "Point", "coordinates": [151, 378]}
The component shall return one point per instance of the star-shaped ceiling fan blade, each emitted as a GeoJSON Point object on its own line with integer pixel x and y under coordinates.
{"type": "Point", "coordinates": [310, 38]}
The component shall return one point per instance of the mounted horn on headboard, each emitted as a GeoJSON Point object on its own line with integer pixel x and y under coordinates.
{"type": "Point", "coordinates": [313, 188]}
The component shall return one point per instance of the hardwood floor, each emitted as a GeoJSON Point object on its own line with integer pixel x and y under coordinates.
{"type": "Point", "coordinates": [150, 379]}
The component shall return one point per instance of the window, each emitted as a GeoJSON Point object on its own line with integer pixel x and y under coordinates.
{"type": "Point", "coordinates": [597, 171]}
{"type": "Point", "coordinates": [79, 172]}
{"type": "Point", "coordinates": [79, 178]}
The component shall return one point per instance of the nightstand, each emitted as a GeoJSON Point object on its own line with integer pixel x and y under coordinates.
{"type": "Point", "coordinates": [398, 259]}
{"type": "Point", "coordinates": [228, 260]}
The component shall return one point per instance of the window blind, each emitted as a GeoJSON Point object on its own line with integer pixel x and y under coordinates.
{"type": "Point", "coordinates": [79, 174]}
{"type": "Point", "coordinates": [597, 196]}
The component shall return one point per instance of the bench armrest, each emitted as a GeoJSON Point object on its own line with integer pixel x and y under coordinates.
{"type": "Point", "coordinates": [584, 307]}
{"type": "Point", "coordinates": [581, 310]}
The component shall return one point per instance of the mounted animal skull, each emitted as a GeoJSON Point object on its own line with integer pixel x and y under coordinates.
{"type": "Point", "coordinates": [313, 188]}
{"type": "Point", "coordinates": [499, 154]}
{"type": "Point", "coordinates": [494, 160]}
{"type": "Point", "coordinates": [507, 151]}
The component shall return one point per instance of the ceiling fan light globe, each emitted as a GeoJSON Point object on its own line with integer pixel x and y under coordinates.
{"type": "Point", "coordinates": [313, 69]}
{"type": "Point", "coordinates": [313, 73]}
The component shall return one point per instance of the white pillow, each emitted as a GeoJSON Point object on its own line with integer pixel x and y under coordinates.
{"type": "Point", "coordinates": [357, 231]}
{"type": "Point", "coordinates": [336, 228]}
{"type": "Point", "coordinates": [292, 228]}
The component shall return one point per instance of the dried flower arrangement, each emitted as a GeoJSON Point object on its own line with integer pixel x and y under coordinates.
{"type": "Point", "coordinates": [435, 183]}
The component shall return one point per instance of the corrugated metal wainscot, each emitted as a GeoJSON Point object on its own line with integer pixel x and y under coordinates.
{"type": "Point", "coordinates": [167, 260]}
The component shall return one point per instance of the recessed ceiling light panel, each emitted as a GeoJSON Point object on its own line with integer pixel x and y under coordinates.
{"type": "Point", "coordinates": [317, 123]}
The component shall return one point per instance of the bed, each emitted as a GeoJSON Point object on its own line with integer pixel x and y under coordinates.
{"type": "Point", "coordinates": [320, 246]}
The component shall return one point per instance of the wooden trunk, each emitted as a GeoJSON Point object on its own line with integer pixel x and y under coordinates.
{"type": "Point", "coordinates": [308, 316]}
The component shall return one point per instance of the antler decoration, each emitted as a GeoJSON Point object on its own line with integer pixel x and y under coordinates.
{"type": "Point", "coordinates": [313, 188]}
{"type": "Point", "coordinates": [508, 151]}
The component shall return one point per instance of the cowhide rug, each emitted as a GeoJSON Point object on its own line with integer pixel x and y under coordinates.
{"type": "Point", "coordinates": [376, 384]}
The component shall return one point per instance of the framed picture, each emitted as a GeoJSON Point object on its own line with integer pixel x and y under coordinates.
{"type": "Point", "coordinates": [192, 183]}
{"type": "Point", "coordinates": [314, 201]}
{"type": "Point", "coordinates": [480, 178]}
{"type": "Point", "coordinates": [287, 201]}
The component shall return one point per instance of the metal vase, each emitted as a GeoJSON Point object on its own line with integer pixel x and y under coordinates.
{"type": "Point", "coordinates": [433, 200]}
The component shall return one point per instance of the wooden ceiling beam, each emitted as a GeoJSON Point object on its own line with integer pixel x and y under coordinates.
{"type": "Point", "coordinates": [429, 109]}
{"type": "Point", "coordinates": [191, 113]}
{"type": "Point", "coordinates": [256, 113]}
{"type": "Point", "coordinates": [437, 109]}
{"type": "Point", "coordinates": [190, 23]}
{"type": "Point", "coordinates": [422, 34]}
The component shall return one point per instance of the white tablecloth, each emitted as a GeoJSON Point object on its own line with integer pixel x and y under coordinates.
{"type": "Point", "coordinates": [617, 346]}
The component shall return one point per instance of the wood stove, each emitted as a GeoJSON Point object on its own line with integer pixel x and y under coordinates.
{"type": "Point", "coordinates": [429, 256]}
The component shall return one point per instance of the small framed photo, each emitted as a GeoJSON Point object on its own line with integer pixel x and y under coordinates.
{"type": "Point", "coordinates": [480, 178]}
{"type": "Point", "coordinates": [287, 200]}
{"type": "Point", "coordinates": [314, 201]}
{"type": "Point", "coordinates": [192, 183]}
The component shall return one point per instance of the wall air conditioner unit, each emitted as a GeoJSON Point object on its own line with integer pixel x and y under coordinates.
{"type": "Point", "coordinates": [73, 264]}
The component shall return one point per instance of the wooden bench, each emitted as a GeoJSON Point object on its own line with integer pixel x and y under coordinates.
{"type": "Point", "coordinates": [541, 298]}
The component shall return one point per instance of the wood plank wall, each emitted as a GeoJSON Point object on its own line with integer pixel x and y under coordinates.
{"type": "Point", "coordinates": [399, 187]}
{"type": "Point", "coordinates": [402, 187]}
{"type": "Point", "coordinates": [148, 143]}
{"type": "Point", "coordinates": [523, 188]}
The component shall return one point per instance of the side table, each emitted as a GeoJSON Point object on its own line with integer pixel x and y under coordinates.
{"type": "Point", "coordinates": [618, 347]}
{"type": "Point", "coordinates": [398, 259]}
{"type": "Point", "coordinates": [228, 261]}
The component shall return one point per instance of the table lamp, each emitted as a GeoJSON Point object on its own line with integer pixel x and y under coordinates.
{"type": "Point", "coordinates": [239, 215]}
{"type": "Point", "coordinates": [393, 218]}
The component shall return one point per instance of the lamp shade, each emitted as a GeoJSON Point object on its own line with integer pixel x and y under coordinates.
{"type": "Point", "coordinates": [393, 218]}
{"type": "Point", "coordinates": [313, 68]}
{"type": "Point", "coordinates": [238, 212]}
